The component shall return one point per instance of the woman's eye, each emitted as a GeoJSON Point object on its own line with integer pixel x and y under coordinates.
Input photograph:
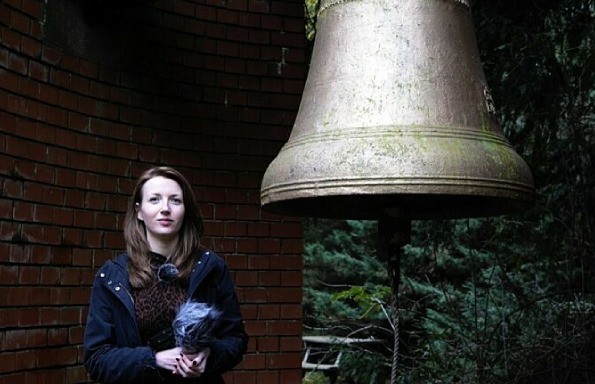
{"type": "Point", "coordinates": [153, 200]}
{"type": "Point", "coordinates": [176, 201]}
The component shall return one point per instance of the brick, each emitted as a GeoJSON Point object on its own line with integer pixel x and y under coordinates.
{"type": "Point", "coordinates": [8, 318]}
{"type": "Point", "coordinates": [29, 275]}
{"type": "Point", "coordinates": [9, 274]}
{"type": "Point", "coordinates": [104, 220]}
{"type": "Point", "coordinates": [288, 262]}
{"type": "Point", "coordinates": [13, 189]}
{"type": "Point", "coordinates": [246, 279]}
{"type": "Point", "coordinates": [93, 239]}
{"type": "Point", "coordinates": [38, 71]}
{"type": "Point", "coordinates": [72, 236]}
{"type": "Point", "coordinates": [79, 295]}
{"type": "Point", "coordinates": [248, 212]}
{"type": "Point", "coordinates": [270, 377]}
{"type": "Point", "coordinates": [268, 344]}
{"type": "Point", "coordinates": [7, 362]}
{"type": "Point", "coordinates": [28, 317]}
{"type": "Point", "coordinates": [6, 163]}
{"type": "Point", "coordinates": [284, 360]}
{"type": "Point", "coordinates": [269, 246]}
{"type": "Point", "coordinates": [87, 105]}
{"type": "Point", "coordinates": [254, 362]}
{"type": "Point", "coordinates": [292, 278]}
{"type": "Point", "coordinates": [89, 69]}
{"type": "Point", "coordinates": [245, 377]}
{"type": "Point", "coordinates": [32, 8]}
{"type": "Point", "coordinates": [246, 246]}
{"type": "Point", "coordinates": [249, 312]}
{"type": "Point", "coordinates": [59, 296]}
{"type": "Point", "coordinates": [76, 335]}
{"type": "Point", "coordinates": [287, 230]}
{"type": "Point", "coordinates": [36, 337]}
{"type": "Point", "coordinates": [287, 8]}
{"type": "Point", "coordinates": [68, 100]}
{"type": "Point", "coordinates": [49, 316]}
{"type": "Point", "coordinates": [61, 256]}
{"type": "Point", "coordinates": [83, 219]}
{"type": "Point", "coordinates": [285, 327]}
{"type": "Point", "coordinates": [114, 241]}
{"type": "Point", "coordinates": [70, 315]}
{"type": "Point", "coordinates": [51, 235]}
{"type": "Point", "coordinates": [25, 149]}
{"type": "Point", "coordinates": [11, 39]}
{"type": "Point", "coordinates": [51, 55]}
{"type": "Point", "coordinates": [258, 6]}
{"type": "Point", "coordinates": [82, 257]}
{"type": "Point", "coordinates": [290, 343]}
{"type": "Point", "coordinates": [53, 195]}
{"type": "Point", "coordinates": [284, 295]}
{"type": "Point", "coordinates": [293, 376]}
{"type": "Point", "coordinates": [269, 278]}
{"type": "Point", "coordinates": [237, 262]}
{"type": "Point", "coordinates": [292, 246]}
{"type": "Point", "coordinates": [40, 254]}
{"type": "Point", "coordinates": [19, 22]}
{"type": "Point", "coordinates": [39, 296]}
{"type": "Point", "coordinates": [18, 252]}
{"type": "Point", "coordinates": [70, 276]}
{"type": "Point", "coordinates": [75, 375]}
{"type": "Point", "coordinates": [25, 360]}
{"type": "Point", "coordinates": [268, 312]}
{"type": "Point", "coordinates": [28, 234]}
{"type": "Point", "coordinates": [23, 211]}
{"type": "Point", "coordinates": [9, 81]}
{"type": "Point", "coordinates": [255, 295]}
{"type": "Point", "coordinates": [54, 116]}
{"type": "Point", "coordinates": [259, 262]}
{"type": "Point", "coordinates": [49, 275]}
{"type": "Point", "coordinates": [63, 216]}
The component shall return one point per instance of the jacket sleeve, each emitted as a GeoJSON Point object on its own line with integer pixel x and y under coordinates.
{"type": "Point", "coordinates": [110, 355]}
{"type": "Point", "coordinates": [231, 341]}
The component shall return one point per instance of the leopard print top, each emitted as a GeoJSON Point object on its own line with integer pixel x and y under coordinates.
{"type": "Point", "coordinates": [156, 305]}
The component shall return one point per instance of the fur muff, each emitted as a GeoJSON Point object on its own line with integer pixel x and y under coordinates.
{"type": "Point", "coordinates": [194, 325]}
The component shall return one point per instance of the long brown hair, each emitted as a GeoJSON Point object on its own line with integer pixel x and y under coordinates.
{"type": "Point", "coordinates": [139, 270]}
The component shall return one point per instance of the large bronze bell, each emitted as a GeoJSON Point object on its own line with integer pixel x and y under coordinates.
{"type": "Point", "coordinates": [396, 114]}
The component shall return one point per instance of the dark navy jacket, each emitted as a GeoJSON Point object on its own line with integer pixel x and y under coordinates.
{"type": "Point", "coordinates": [114, 352]}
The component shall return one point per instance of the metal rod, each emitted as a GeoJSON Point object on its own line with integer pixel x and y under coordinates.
{"type": "Point", "coordinates": [394, 232]}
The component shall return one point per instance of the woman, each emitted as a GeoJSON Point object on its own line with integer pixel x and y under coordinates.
{"type": "Point", "coordinates": [135, 297]}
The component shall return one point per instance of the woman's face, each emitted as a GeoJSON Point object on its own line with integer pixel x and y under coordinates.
{"type": "Point", "coordinates": [162, 210]}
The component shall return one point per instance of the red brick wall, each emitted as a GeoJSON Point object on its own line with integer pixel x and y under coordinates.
{"type": "Point", "coordinates": [89, 98]}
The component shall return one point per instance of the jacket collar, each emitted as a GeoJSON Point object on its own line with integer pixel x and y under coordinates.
{"type": "Point", "coordinates": [204, 264]}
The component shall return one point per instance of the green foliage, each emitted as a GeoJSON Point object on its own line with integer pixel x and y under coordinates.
{"type": "Point", "coordinates": [359, 366]}
{"type": "Point", "coordinates": [488, 314]}
{"type": "Point", "coordinates": [343, 277]}
{"type": "Point", "coordinates": [314, 378]}
{"type": "Point", "coordinates": [311, 8]}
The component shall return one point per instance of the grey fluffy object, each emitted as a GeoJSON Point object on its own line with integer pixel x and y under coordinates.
{"type": "Point", "coordinates": [194, 325]}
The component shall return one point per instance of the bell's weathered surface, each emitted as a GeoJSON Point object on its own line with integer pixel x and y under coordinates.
{"type": "Point", "coordinates": [396, 114]}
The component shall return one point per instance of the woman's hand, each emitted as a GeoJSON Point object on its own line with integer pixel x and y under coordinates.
{"type": "Point", "coordinates": [192, 365]}
{"type": "Point", "coordinates": [168, 358]}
